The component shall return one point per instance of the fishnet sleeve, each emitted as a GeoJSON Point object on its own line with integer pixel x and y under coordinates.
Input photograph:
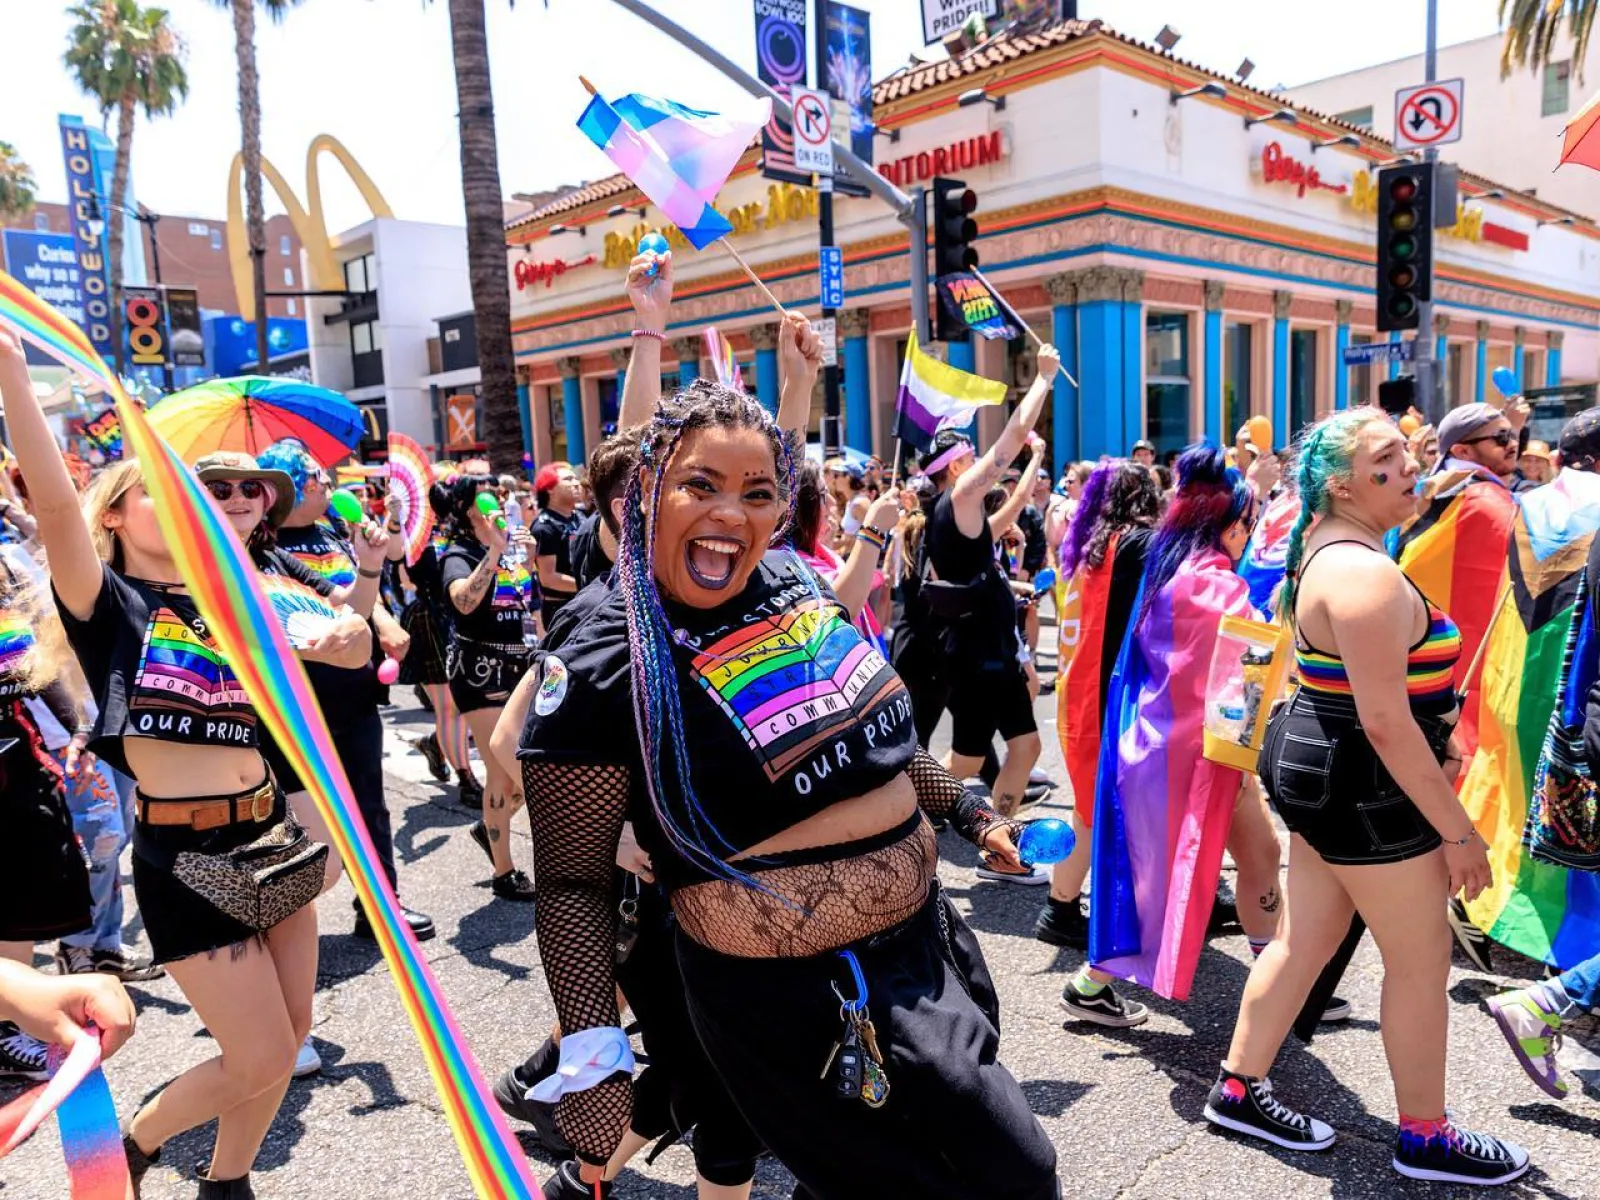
{"type": "Point", "coordinates": [577, 813]}
{"type": "Point", "coordinates": [940, 794]}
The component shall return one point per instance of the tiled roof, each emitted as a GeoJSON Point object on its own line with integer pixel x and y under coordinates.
{"type": "Point", "coordinates": [996, 52]}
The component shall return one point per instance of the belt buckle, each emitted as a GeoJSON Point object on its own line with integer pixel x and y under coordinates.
{"type": "Point", "coordinates": [261, 803]}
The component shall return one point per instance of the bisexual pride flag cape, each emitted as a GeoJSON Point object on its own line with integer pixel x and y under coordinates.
{"type": "Point", "coordinates": [1538, 909]}
{"type": "Point", "coordinates": [1162, 811]}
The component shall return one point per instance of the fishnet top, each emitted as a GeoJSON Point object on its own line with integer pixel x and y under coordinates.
{"type": "Point", "coordinates": [577, 813]}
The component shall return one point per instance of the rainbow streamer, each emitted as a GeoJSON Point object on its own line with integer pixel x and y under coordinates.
{"type": "Point", "coordinates": [86, 1118]}
{"type": "Point", "coordinates": [726, 366]}
{"type": "Point", "coordinates": [409, 478]}
{"type": "Point", "coordinates": [37, 322]}
{"type": "Point", "coordinates": [228, 592]}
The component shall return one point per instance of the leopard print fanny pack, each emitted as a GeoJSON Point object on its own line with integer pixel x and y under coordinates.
{"type": "Point", "coordinates": [261, 883]}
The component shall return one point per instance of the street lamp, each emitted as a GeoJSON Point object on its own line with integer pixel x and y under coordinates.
{"type": "Point", "coordinates": [580, 230]}
{"type": "Point", "coordinates": [1282, 116]}
{"type": "Point", "coordinates": [1211, 89]}
{"type": "Point", "coordinates": [1168, 38]}
{"type": "Point", "coordinates": [980, 96]}
{"type": "Point", "coordinates": [892, 134]}
{"type": "Point", "coordinates": [618, 210]}
{"type": "Point", "coordinates": [95, 220]}
{"type": "Point", "coordinates": [1344, 139]}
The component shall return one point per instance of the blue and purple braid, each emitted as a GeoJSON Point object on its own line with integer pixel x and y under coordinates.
{"type": "Point", "coordinates": [657, 703]}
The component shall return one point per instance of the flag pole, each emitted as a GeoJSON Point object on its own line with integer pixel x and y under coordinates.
{"type": "Point", "coordinates": [1021, 324]}
{"type": "Point", "coordinates": [754, 278]}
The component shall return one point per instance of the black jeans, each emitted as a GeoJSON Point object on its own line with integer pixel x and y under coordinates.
{"type": "Point", "coordinates": [956, 1124]}
{"type": "Point", "coordinates": [360, 745]}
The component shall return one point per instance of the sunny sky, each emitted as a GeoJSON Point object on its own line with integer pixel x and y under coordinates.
{"type": "Point", "coordinates": [377, 75]}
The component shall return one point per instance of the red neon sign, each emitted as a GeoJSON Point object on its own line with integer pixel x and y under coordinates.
{"type": "Point", "coordinates": [1278, 167]}
{"type": "Point", "coordinates": [529, 273]}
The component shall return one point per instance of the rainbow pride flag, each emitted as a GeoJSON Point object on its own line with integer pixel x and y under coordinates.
{"type": "Point", "coordinates": [1544, 911]}
{"type": "Point", "coordinates": [1161, 811]}
{"type": "Point", "coordinates": [720, 351]}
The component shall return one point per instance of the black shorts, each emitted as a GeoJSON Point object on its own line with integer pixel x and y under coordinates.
{"type": "Point", "coordinates": [44, 888]}
{"type": "Point", "coordinates": [986, 702]}
{"type": "Point", "coordinates": [484, 674]}
{"type": "Point", "coordinates": [1329, 785]}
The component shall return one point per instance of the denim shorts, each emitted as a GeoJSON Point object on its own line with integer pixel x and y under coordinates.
{"type": "Point", "coordinates": [1329, 785]}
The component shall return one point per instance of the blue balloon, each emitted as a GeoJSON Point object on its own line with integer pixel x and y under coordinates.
{"type": "Point", "coordinates": [1505, 382]}
{"type": "Point", "coordinates": [1045, 841]}
{"type": "Point", "coordinates": [1044, 580]}
{"type": "Point", "coordinates": [654, 243]}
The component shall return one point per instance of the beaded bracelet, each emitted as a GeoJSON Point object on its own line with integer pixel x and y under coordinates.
{"type": "Point", "coordinates": [870, 539]}
{"type": "Point", "coordinates": [650, 333]}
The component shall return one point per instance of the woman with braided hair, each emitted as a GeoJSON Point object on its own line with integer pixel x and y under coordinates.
{"type": "Point", "coordinates": [1360, 766]}
{"type": "Point", "coordinates": [776, 783]}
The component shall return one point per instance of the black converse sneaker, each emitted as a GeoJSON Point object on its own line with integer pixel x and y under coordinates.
{"type": "Point", "coordinates": [21, 1056]}
{"type": "Point", "coordinates": [1063, 923]}
{"type": "Point", "coordinates": [1105, 1007]}
{"type": "Point", "coordinates": [1248, 1106]}
{"type": "Point", "coordinates": [1452, 1155]}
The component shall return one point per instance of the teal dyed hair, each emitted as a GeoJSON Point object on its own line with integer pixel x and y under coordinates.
{"type": "Point", "coordinates": [1325, 452]}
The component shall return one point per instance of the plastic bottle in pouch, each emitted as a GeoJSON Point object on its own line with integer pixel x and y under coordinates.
{"type": "Point", "coordinates": [1256, 662]}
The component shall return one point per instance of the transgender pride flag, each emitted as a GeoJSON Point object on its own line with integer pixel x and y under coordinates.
{"type": "Point", "coordinates": [679, 157]}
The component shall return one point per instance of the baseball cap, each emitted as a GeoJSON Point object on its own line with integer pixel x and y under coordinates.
{"type": "Point", "coordinates": [1461, 423]}
{"type": "Point", "coordinates": [1142, 444]}
{"type": "Point", "coordinates": [1580, 438]}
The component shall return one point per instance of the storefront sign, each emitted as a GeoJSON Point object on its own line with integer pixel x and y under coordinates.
{"type": "Point", "coordinates": [529, 273]}
{"type": "Point", "coordinates": [47, 265]}
{"type": "Point", "coordinates": [941, 18]}
{"type": "Point", "coordinates": [967, 300]}
{"type": "Point", "coordinates": [946, 160]}
{"type": "Point", "coordinates": [1472, 224]}
{"type": "Point", "coordinates": [461, 417]}
{"type": "Point", "coordinates": [183, 328]}
{"type": "Point", "coordinates": [146, 325]}
{"type": "Point", "coordinates": [1276, 166]}
{"type": "Point", "coordinates": [786, 204]}
{"type": "Point", "coordinates": [82, 200]}
{"type": "Point", "coordinates": [781, 64]}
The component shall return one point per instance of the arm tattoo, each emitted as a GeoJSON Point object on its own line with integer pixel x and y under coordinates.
{"type": "Point", "coordinates": [477, 584]}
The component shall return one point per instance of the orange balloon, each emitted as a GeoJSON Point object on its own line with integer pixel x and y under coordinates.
{"type": "Point", "coordinates": [1260, 432]}
{"type": "Point", "coordinates": [1409, 424]}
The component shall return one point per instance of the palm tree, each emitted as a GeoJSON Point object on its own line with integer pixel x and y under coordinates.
{"type": "Point", "coordinates": [16, 184]}
{"type": "Point", "coordinates": [125, 57]}
{"type": "Point", "coordinates": [244, 48]}
{"type": "Point", "coordinates": [1531, 27]}
{"type": "Point", "coordinates": [486, 236]}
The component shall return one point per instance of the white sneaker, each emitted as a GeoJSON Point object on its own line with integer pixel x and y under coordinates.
{"type": "Point", "coordinates": [1034, 876]}
{"type": "Point", "coordinates": [308, 1061]}
{"type": "Point", "coordinates": [1040, 775]}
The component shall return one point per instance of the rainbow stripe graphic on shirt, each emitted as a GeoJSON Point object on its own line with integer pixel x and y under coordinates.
{"type": "Point", "coordinates": [181, 673]}
{"type": "Point", "coordinates": [16, 639]}
{"type": "Point", "coordinates": [337, 567]}
{"type": "Point", "coordinates": [512, 583]}
{"type": "Point", "coordinates": [789, 682]}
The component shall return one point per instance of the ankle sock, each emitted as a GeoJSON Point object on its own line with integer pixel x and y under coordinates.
{"type": "Point", "coordinates": [1257, 945]}
{"type": "Point", "coordinates": [1085, 984]}
{"type": "Point", "coordinates": [1427, 1130]}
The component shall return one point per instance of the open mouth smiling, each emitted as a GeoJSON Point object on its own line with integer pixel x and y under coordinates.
{"type": "Point", "coordinates": [711, 560]}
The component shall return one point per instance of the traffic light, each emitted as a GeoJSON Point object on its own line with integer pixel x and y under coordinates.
{"type": "Point", "coordinates": [954, 231]}
{"type": "Point", "coordinates": [1405, 244]}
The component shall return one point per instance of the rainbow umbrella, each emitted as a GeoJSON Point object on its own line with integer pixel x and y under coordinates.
{"type": "Point", "coordinates": [251, 412]}
{"type": "Point", "coordinates": [1579, 142]}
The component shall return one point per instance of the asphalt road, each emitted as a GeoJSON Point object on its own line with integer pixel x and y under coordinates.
{"type": "Point", "coordinates": [1122, 1107]}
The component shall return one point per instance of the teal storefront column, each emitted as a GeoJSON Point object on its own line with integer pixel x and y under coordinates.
{"type": "Point", "coordinates": [1552, 361]}
{"type": "Point", "coordinates": [525, 414]}
{"type": "Point", "coordinates": [1212, 423]}
{"type": "Point", "coordinates": [1481, 370]}
{"type": "Point", "coordinates": [1133, 418]}
{"type": "Point", "coordinates": [572, 410]}
{"type": "Point", "coordinates": [688, 352]}
{"type": "Point", "coordinates": [1441, 356]}
{"type": "Point", "coordinates": [963, 356]}
{"type": "Point", "coordinates": [1065, 404]}
{"type": "Point", "coordinates": [1102, 413]}
{"type": "Point", "coordinates": [1519, 358]}
{"type": "Point", "coordinates": [1341, 343]}
{"type": "Point", "coordinates": [1281, 301]}
{"type": "Point", "coordinates": [854, 324]}
{"type": "Point", "coordinates": [765, 338]}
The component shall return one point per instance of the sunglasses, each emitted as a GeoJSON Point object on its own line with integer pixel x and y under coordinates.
{"type": "Point", "coordinates": [250, 489]}
{"type": "Point", "coordinates": [1503, 438]}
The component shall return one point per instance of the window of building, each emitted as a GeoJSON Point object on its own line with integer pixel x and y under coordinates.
{"type": "Point", "coordinates": [364, 337]}
{"type": "Point", "coordinates": [1361, 384]}
{"type": "Point", "coordinates": [216, 239]}
{"type": "Point", "coordinates": [288, 277]}
{"type": "Point", "coordinates": [1557, 81]}
{"type": "Point", "coordinates": [1361, 117]}
{"type": "Point", "coordinates": [1302, 383]}
{"type": "Point", "coordinates": [361, 275]}
{"type": "Point", "coordinates": [283, 245]}
{"type": "Point", "coordinates": [1238, 357]}
{"type": "Point", "coordinates": [293, 306]}
{"type": "Point", "coordinates": [1166, 380]}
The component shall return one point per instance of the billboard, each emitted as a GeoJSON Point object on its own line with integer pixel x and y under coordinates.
{"type": "Point", "coordinates": [187, 341]}
{"type": "Point", "coordinates": [145, 325]}
{"type": "Point", "coordinates": [83, 202]}
{"type": "Point", "coordinates": [47, 265]}
{"type": "Point", "coordinates": [781, 63]}
{"type": "Point", "coordinates": [850, 71]}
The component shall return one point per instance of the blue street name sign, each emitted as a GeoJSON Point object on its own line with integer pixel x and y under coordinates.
{"type": "Point", "coordinates": [832, 264]}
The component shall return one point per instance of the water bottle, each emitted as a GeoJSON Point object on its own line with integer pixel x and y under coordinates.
{"type": "Point", "coordinates": [1045, 841]}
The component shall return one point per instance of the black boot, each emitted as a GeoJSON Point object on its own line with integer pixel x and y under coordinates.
{"type": "Point", "coordinates": [226, 1189]}
{"type": "Point", "coordinates": [138, 1161]}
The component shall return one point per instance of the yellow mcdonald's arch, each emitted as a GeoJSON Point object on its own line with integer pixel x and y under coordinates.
{"type": "Point", "coordinates": [311, 226]}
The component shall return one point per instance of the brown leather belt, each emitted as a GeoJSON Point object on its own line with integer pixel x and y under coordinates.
{"type": "Point", "coordinates": [256, 805]}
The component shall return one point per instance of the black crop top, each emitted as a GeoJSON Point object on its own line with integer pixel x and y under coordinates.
{"type": "Point", "coordinates": [155, 671]}
{"type": "Point", "coordinates": [786, 708]}
{"type": "Point", "coordinates": [498, 617]}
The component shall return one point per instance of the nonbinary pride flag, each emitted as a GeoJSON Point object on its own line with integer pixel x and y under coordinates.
{"type": "Point", "coordinates": [935, 396]}
{"type": "Point", "coordinates": [679, 157]}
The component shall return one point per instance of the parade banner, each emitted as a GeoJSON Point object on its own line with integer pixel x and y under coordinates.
{"type": "Point", "coordinates": [781, 64]}
{"type": "Point", "coordinates": [83, 202]}
{"type": "Point", "coordinates": [104, 431]}
{"type": "Point", "coordinates": [47, 265]}
{"type": "Point", "coordinates": [185, 338]}
{"type": "Point", "coordinates": [968, 300]}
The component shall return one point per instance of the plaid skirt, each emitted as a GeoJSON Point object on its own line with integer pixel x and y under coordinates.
{"type": "Point", "coordinates": [424, 662]}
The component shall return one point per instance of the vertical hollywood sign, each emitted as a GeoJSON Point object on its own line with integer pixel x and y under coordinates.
{"type": "Point", "coordinates": [81, 203]}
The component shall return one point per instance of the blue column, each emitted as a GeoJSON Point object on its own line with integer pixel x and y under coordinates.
{"type": "Point", "coordinates": [767, 378]}
{"type": "Point", "coordinates": [963, 355]}
{"type": "Point", "coordinates": [1519, 360]}
{"type": "Point", "coordinates": [525, 410]}
{"type": "Point", "coordinates": [1100, 360]}
{"type": "Point", "coordinates": [1552, 362]}
{"type": "Point", "coordinates": [1341, 343]}
{"type": "Point", "coordinates": [572, 413]}
{"type": "Point", "coordinates": [688, 371]}
{"type": "Point", "coordinates": [1481, 371]}
{"type": "Point", "coordinates": [1133, 426]}
{"type": "Point", "coordinates": [1065, 404]}
{"type": "Point", "coordinates": [1394, 365]}
{"type": "Point", "coordinates": [1213, 391]}
{"type": "Point", "coordinates": [1280, 377]}
{"type": "Point", "coordinates": [857, 386]}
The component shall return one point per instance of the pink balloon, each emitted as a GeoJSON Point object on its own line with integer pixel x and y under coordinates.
{"type": "Point", "coordinates": [388, 671]}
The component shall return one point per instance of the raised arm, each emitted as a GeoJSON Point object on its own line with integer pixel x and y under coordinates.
{"type": "Point", "coordinates": [75, 568]}
{"type": "Point", "coordinates": [651, 298]}
{"type": "Point", "coordinates": [853, 584]}
{"type": "Point", "coordinates": [799, 360]}
{"type": "Point", "coordinates": [971, 488]}
{"type": "Point", "coordinates": [1006, 515]}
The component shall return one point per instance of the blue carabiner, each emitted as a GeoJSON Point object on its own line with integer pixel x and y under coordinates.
{"type": "Point", "coordinates": [858, 978]}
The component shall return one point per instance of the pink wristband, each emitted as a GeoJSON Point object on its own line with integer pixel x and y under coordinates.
{"type": "Point", "coordinates": [650, 333]}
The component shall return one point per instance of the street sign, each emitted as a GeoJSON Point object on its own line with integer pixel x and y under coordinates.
{"type": "Point", "coordinates": [831, 262]}
{"type": "Point", "coordinates": [813, 130]}
{"type": "Point", "coordinates": [828, 330]}
{"type": "Point", "coordinates": [1428, 115]}
{"type": "Point", "coordinates": [1377, 352]}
